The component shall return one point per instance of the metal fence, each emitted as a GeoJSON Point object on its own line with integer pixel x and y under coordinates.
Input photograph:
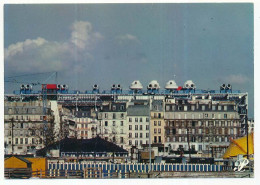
{"type": "Point", "coordinates": [125, 170]}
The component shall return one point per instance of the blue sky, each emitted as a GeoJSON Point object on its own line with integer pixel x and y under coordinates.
{"type": "Point", "coordinates": [210, 44]}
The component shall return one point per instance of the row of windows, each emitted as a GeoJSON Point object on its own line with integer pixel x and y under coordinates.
{"type": "Point", "coordinates": [25, 141]}
{"type": "Point", "coordinates": [157, 131]}
{"type": "Point", "coordinates": [199, 139]}
{"type": "Point", "coordinates": [24, 133]}
{"type": "Point", "coordinates": [114, 123]}
{"type": "Point", "coordinates": [219, 131]}
{"type": "Point", "coordinates": [203, 123]}
{"type": "Point", "coordinates": [157, 139]}
{"type": "Point", "coordinates": [27, 118]}
{"type": "Point", "coordinates": [122, 116]}
{"type": "Point", "coordinates": [115, 132]}
{"type": "Point", "coordinates": [157, 115]}
{"type": "Point", "coordinates": [199, 107]}
{"type": "Point", "coordinates": [140, 135]}
{"type": "Point", "coordinates": [140, 120]}
{"type": "Point", "coordinates": [155, 123]}
{"type": "Point", "coordinates": [136, 143]}
{"type": "Point", "coordinates": [140, 127]}
{"type": "Point", "coordinates": [25, 110]}
{"type": "Point", "coordinates": [121, 140]}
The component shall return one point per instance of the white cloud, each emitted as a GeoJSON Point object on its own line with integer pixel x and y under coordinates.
{"type": "Point", "coordinates": [236, 79]}
{"type": "Point", "coordinates": [127, 38]}
{"type": "Point", "coordinates": [21, 47]}
{"type": "Point", "coordinates": [40, 55]}
{"type": "Point", "coordinates": [82, 35]}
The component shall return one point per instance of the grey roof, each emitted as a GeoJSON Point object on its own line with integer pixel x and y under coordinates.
{"type": "Point", "coordinates": [138, 110]}
{"type": "Point", "coordinates": [114, 107]}
{"type": "Point", "coordinates": [157, 105]}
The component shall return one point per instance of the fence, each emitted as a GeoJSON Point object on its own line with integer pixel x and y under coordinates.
{"type": "Point", "coordinates": [125, 170]}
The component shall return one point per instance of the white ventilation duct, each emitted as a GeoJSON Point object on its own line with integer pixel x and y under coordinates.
{"type": "Point", "coordinates": [136, 85]}
{"type": "Point", "coordinates": [189, 85]}
{"type": "Point", "coordinates": [153, 85]}
{"type": "Point", "coordinates": [171, 85]}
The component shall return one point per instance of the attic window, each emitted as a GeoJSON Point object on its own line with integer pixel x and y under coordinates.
{"type": "Point", "coordinates": [114, 107]}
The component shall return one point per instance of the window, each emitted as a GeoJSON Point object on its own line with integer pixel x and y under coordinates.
{"type": "Point", "coordinates": [130, 135]}
{"type": "Point", "coordinates": [225, 116]}
{"type": "Point", "coordinates": [155, 123]}
{"type": "Point", "coordinates": [130, 119]}
{"type": "Point", "coordinates": [206, 115]}
{"type": "Point", "coordinates": [105, 115]}
{"type": "Point", "coordinates": [121, 140]}
{"type": "Point", "coordinates": [21, 140]}
{"type": "Point", "coordinates": [136, 142]}
{"type": "Point", "coordinates": [147, 119]}
{"type": "Point", "coordinates": [147, 135]}
{"type": "Point", "coordinates": [147, 127]}
{"type": "Point", "coordinates": [141, 135]}
{"type": "Point", "coordinates": [26, 140]}
{"type": "Point", "coordinates": [114, 123]}
{"type": "Point", "coordinates": [141, 127]}
{"type": "Point", "coordinates": [155, 139]}
{"type": "Point", "coordinates": [155, 130]}
{"type": "Point", "coordinates": [203, 107]}
{"type": "Point", "coordinates": [225, 108]}
{"type": "Point", "coordinates": [113, 107]}
{"type": "Point", "coordinates": [136, 127]}
{"type": "Point", "coordinates": [10, 111]}
{"type": "Point", "coordinates": [114, 115]}
{"type": "Point", "coordinates": [141, 142]}
{"type": "Point", "coordinates": [159, 131]}
{"type": "Point", "coordinates": [106, 123]}
{"type": "Point", "coordinates": [130, 142]}
{"type": "Point", "coordinates": [155, 115]}
{"type": "Point", "coordinates": [136, 119]}
{"type": "Point", "coordinates": [141, 119]}
{"type": "Point", "coordinates": [159, 123]}
{"type": "Point", "coordinates": [122, 116]}
{"type": "Point", "coordinates": [159, 139]}
{"type": "Point", "coordinates": [33, 141]}
{"type": "Point", "coordinates": [130, 127]}
{"type": "Point", "coordinates": [219, 107]}
{"type": "Point", "coordinates": [122, 123]}
{"type": "Point", "coordinates": [159, 115]}
{"type": "Point", "coordinates": [122, 107]}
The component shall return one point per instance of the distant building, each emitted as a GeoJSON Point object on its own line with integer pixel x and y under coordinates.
{"type": "Point", "coordinates": [138, 123]}
{"type": "Point", "coordinates": [24, 127]}
{"type": "Point", "coordinates": [157, 122]}
{"type": "Point", "coordinates": [112, 123]}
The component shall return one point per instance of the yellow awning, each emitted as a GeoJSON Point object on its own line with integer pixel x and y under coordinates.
{"type": "Point", "coordinates": [239, 146]}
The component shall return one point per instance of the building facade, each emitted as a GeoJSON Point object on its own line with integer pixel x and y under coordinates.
{"type": "Point", "coordinates": [24, 127]}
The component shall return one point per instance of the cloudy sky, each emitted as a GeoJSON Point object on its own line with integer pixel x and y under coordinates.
{"type": "Point", "coordinates": [210, 44]}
